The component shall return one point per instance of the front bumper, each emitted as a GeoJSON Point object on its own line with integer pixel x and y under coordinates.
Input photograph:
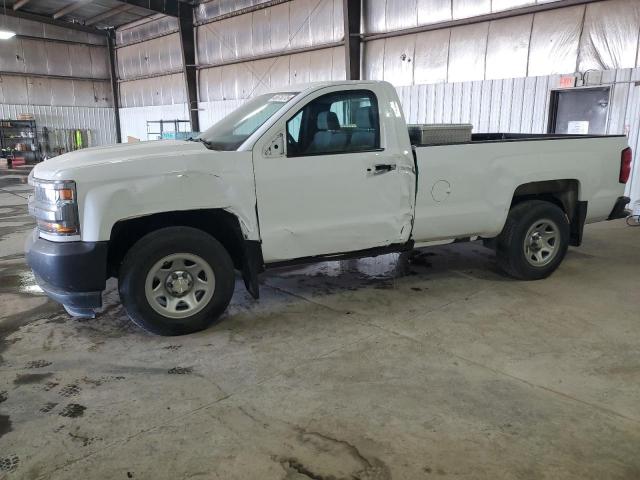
{"type": "Point", "coordinates": [71, 273]}
{"type": "Point", "coordinates": [619, 210]}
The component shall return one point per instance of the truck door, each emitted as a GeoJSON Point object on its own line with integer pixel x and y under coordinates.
{"type": "Point", "coordinates": [342, 184]}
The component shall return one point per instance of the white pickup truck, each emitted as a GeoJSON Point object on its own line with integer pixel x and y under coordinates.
{"type": "Point", "coordinates": [309, 173]}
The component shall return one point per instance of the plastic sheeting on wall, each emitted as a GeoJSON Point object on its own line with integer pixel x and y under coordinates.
{"type": "Point", "coordinates": [246, 79]}
{"type": "Point", "coordinates": [508, 47]}
{"type": "Point", "coordinates": [467, 50]}
{"type": "Point", "coordinates": [25, 90]}
{"type": "Point", "coordinates": [381, 16]}
{"type": "Point", "coordinates": [554, 41]}
{"type": "Point", "coordinates": [296, 24]}
{"type": "Point", "coordinates": [42, 57]}
{"type": "Point", "coordinates": [159, 55]}
{"type": "Point", "coordinates": [399, 60]}
{"type": "Point", "coordinates": [146, 29]}
{"type": "Point", "coordinates": [215, 8]}
{"type": "Point", "coordinates": [165, 90]}
{"type": "Point", "coordinates": [610, 35]}
{"type": "Point", "coordinates": [431, 56]}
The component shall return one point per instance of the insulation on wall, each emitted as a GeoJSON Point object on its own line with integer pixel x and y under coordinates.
{"type": "Point", "coordinates": [146, 29]}
{"type": "Point", "coordinates": [54, 32]}
{"type": "Point", "coordinates": [508, 47]}
{"type": "Point", "coordinates": [43, 57]}
{"type": "Point", "coordinates": [159, 55]}
{"type": "Point", "coordinates": [25, 90]}
{"type": "Point", "coordinates": [246, 79]}
{"type": "Point", "coordinates": [290, 25]}
{"type": "Point", "coordinates": [610, 35]}
{"type": "Point", "coordinates": [467, 51]}
{"type": "Point", "coordinates": [165, 90]}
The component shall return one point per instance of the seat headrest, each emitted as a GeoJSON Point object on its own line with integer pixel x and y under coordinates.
{"type": "Point", "coordinates": [364, 117]}
{"type": "Point", "coordinates": [328, 121]}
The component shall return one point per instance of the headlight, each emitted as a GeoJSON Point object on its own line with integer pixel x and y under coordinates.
{"type": "Point", "coordinates": [55, 207]}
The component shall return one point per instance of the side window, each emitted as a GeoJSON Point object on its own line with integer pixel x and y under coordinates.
{"type": "Point", "coordinates": [338, 122]}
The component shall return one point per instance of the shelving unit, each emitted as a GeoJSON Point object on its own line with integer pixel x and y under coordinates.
{"type": "Point", "coordinates": [168, 129]}
{"type": "Point", "coordinates": [19, 139]}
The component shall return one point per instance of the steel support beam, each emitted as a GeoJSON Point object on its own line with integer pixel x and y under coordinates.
{"type": "Point", "coordinates": [107, 14]}
{"type": "Point", "coordinates": [50, 21]}
{"type": "Point", "coordinates": [70, 8]}
{"type": "Point", "coordinates": [111, 43]}
{"type": "Point", "coordinates": [352, 12]}
{"type": "Point", "coordinates": [19, 4]}
{"type": "Point", "coordinates": [166, 7]}
{"type": "Point", "coordinates": [188, 48]}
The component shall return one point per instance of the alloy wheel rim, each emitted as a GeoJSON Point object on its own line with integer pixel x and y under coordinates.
{"type": "Point", "coordinates": [179, 285]}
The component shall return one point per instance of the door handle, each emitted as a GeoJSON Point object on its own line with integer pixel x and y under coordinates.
{"type": "Point", "coordinates": [382, 168]}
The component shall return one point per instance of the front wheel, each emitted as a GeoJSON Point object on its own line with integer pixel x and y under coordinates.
{"type": "Point", "coordinates": [533, 241]}
{"type": "Point", "coordinates": [176, 280]}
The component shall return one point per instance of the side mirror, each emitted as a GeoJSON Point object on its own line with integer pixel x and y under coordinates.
{"type": "Point", "coordinates": [276, 147]}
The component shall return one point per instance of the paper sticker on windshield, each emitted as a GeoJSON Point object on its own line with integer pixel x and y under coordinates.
{"type": "Point", "coordinates": [282, 97]}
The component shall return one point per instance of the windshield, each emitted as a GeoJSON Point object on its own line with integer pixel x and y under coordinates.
{"type": "Point", "coordinates": [231, 132]}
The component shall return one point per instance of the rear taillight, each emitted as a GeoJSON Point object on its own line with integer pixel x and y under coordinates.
{"type": "Point", "coordinates": [625, 165]}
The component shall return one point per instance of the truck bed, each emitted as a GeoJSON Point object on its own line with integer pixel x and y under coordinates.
{"type": "Point", "coordinates": [516, 137]}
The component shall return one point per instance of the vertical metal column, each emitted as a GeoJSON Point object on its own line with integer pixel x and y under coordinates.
{"type": "Point", "coordinates": [352, 13]}
{"type": "Point", "coordinates": [187, 44]}
{"type": "Point", "coordinates": [111, 47]}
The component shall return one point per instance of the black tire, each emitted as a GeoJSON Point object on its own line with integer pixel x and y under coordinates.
{"type": "Point", "coordinates": [510, 244]}
{"type": "Point", "coordinates": [157, 245]}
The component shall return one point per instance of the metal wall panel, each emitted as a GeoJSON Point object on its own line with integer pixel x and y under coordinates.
{"type": "Point", "coordinates": [610, 35]}
{"type": "Point", "coordinates": [508, 47]}
{"type": "Point", "coordinates": [100, 121]}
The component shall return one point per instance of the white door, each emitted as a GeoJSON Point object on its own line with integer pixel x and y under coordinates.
{"type": "Point", "coordinates": [340, 187]}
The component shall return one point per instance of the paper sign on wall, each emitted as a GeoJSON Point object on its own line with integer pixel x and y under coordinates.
{"type": "Point", "coordinates": [578, 127]}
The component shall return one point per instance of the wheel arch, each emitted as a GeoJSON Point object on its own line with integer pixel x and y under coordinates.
{"type": "Point", "coordinates": [564, 193]}
{"type": "Point", "coordinates": [219, 223]}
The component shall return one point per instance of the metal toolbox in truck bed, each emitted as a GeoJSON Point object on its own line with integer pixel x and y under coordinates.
{"type": "Point", "coordinates": [441, 133]}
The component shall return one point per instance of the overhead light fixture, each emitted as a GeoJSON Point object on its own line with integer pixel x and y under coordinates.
{"type": "Point", "coordinates": [6, 34]}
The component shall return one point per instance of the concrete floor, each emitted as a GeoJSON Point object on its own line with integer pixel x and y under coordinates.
{"type": "Point", "coordinates": [371, 369]}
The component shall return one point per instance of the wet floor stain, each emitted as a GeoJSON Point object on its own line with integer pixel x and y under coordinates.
{"type": "Point", "coordinates": [30, 378]}
{"type": "Point", "coordinates": [47, 407]}
{"type": "Point", "coordinates": [70, 390]}
{"type": "Point", "coordinates": [73, 410]}
{"type": "Point", "coordinates": [38, 364]}
{"type": "Point", "coordinates": [3, 396]}
{"type": "Point", "coordinates": [180, 370]}
{"type": "Point", "coordinates": [5, 425]}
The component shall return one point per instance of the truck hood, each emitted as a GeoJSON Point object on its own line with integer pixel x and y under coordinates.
{"type": "Point", "coordinates": [70, 163]}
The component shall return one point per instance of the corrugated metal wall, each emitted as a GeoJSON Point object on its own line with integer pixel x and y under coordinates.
{"type": "Point", "coordinates": [99, 121]}
{"type": "Point", "coordinates": [65, 85]}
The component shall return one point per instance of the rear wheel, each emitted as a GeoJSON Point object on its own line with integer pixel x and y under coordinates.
{"type": "Point", "coordinates": [176, 280]}
{"type": "Point", "coordinates": [534, 240]}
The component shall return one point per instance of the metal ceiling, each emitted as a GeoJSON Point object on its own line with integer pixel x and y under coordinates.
{"type": "Point", "coordinates": [90, 15]}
